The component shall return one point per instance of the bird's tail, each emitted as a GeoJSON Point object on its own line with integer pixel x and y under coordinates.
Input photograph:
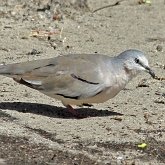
{"type": "Point", "coordinates": [8, 70]}
{"type": "Point", "coordinates": [16, 69]}
{"type": "Point", "coordinates": [4, 69]}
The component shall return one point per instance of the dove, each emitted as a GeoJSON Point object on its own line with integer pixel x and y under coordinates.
{"type": "Point", "coordinates": [78, 79]}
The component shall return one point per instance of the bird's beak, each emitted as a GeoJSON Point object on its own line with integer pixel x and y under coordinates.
{"type": "Point", "coordinates": [150, 71]}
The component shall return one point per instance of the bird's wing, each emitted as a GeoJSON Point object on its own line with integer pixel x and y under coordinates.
{"type": "Point", "coordinates": [73, 76]}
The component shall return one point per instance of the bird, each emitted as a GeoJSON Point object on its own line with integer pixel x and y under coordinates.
{"type": "Point", "coordinates": [78, 79]}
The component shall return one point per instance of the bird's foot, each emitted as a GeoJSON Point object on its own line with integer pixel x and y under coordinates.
{"type": "Point", "coordinates": [72, 111]}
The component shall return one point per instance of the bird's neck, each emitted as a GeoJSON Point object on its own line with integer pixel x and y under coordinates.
{"type": "Point", "coordinates": [130, 73]}
{"type": "Point", "coordinates": [123, 73]}
{"type": "Point", "coordinates": [121, 78]}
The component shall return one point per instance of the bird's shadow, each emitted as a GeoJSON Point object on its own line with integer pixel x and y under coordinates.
{"type": "Point", "coordinates": [54, 111]}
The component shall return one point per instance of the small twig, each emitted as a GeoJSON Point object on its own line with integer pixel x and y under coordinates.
{"type": "Point", "coordinates": [104, 7]}
{"type": "Point", "coordinates": [43, 33]}
{"type": "Point", "coordinates": [152, 39]}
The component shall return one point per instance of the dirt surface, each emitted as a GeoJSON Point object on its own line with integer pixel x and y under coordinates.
{"type": "Point", "coordinates": [36, 129]}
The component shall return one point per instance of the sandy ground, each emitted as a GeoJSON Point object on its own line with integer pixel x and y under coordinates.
{"type": "Point", "coordinates": [36, 129]}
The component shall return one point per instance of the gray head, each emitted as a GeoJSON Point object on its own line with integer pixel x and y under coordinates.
{"type": "Point", "coordinates": [134, 62]}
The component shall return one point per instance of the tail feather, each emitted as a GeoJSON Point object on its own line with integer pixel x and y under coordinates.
{"type": "Point", "coordinates": [4, 69]}
{"type": "Point", "coordinates": [10, 70]}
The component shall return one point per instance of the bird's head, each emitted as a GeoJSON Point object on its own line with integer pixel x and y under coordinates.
{"type": "Point", "coordinates": [135, 62]}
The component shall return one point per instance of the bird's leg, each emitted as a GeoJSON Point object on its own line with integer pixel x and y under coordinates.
{"type": "Point", "coordinates": [73, 111]}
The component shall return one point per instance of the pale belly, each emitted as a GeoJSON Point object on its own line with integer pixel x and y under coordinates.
{"type": "Point", "coordinates": [100, 98]}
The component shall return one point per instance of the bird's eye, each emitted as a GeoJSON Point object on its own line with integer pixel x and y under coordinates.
{"type": "Point", "coordinates": [136, 60]}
